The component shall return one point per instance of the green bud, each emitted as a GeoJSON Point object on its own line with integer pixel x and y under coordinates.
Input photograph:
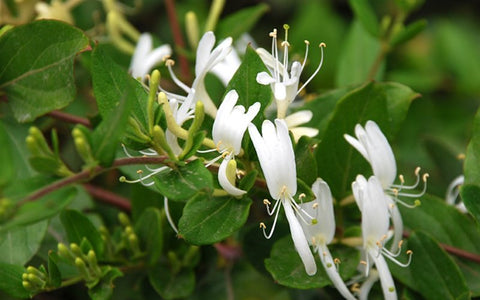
{"type": "Point", "coordinates": [40, 141]}
{"type": "Point", "coordinates": [36, 281]}
{"type": "Point", "coordinates": [154, 82]}
{"type": "Point", "coordinates": [76, 250]}
{"type": "Point", "coordinates": [64, 252]}
{"type": "Point", "coordinates": [123, 217]}
{"type": "Point", "coordinates": [26, 285]}
{"type": "Point", "coordinates": [174, 262]}
{"type": "Point", "coordinates": [192, 29]}
{"type": "Point", "coordinates": [136, 130]}
{"type": "Point", "coordinates": [24, 276]}
{"type": "Point", "coordinates": [92, 258]}
{"type": "Point", "coordinates": [34, 271]}
{"type": "Point", "coordinates": [32, 146]}
{"type": "Point", "coordinates": [82, 268]}
{"type": "Point", "coordinates": [77, 133]}
{"type": "Point", "coordinates": [190, 255]}
{"type": "Point", "coordinates": [197, 122]}
{"type": "Point", "coordinates": [83, 149]}
{"type": "Point", "coordinates": [160, 139]}
{"type": "Point", "coordinates": [129, 230]}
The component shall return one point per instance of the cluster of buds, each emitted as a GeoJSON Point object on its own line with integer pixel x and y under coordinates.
{"type": "Point", "coordinates": [35, 280]}
{"type": "Point", "coordinates": [86, 263]}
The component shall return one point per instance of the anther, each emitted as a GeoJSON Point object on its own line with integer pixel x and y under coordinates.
{"type": "Point", "coordinates": [322, 44]}
{"type": "Point", "coordinates": [425, 177]}
{"type": "Point", "coordinates": [363, 262]}
{"type": "Point", "coordinates": [285, 43]}
{"type": "Point", "coordinates": [417, 171]}
{"type": "Point", "coordinates": [402, 180]}
{"type": "Point", "coordinates": [336, 261]}
{"type": "Point", "coordinates": [400, 244]}
{"type": "Point", "coordinates": [262, 225]}
{"type": "Point", "coordinates": [355, 287]}
{"type": "Point", "coordinates": [284, 189]}
{"type": "Point", "coordinates": [307, 42]}
{"type": "Point", "coordinates": [170, 63]}
{"type": "Point", "coordinates": [395, 192]}
{"type": "Point", "coordinates": [273, 34]}
{"type": "Point", "coordinates": [324, 253]}
{"type": "Point", "coordinates": [461, 156]}
{"type": "Point", "coordinates": [266, 202]}
{"type": "Point", "coordinates": [409, 252]}
{"type": "Point", "coordinates": [166, 57]}
{"type": "Point", "coordinates": [139, 171]}
{"type": "Point", "coordinates": [302, 196]}
{"type": "Point", "coordinates": [392, 205]}
{"type": "Point", "coordinates": [315, 205]}
{"type": "Point", "coordinates": [417, 202]}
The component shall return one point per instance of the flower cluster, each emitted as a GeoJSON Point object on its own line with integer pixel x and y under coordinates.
{"type": "Point", "coordinates": [312, 224]}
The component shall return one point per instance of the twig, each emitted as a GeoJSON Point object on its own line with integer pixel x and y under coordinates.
{"type": "Point", "coordinates": [177, 37]}
{"type": "Point", "coordinates": [60, 115]}
{"type": "Point", "coordinates": [88, 174]}
{"type": "Point", "coordinates": [108, 197]}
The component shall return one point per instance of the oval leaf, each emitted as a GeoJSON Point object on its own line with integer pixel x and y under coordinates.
{"type": "Point", "coordinates": [36, 66]}
{"type": "Point", "coordinates": [207, 220]}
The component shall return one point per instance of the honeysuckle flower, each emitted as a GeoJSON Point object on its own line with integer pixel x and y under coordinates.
{"type": "Point", "coordinates": [228, 129]}
{"type": "Point", "coordinates": [225, 69]}
{"type": "Point", "coordinates": [298, 118]}
{"type": "Point", "coordinates": [374, 147]}
{"type": "Point", "coordinates": [453, 190]}
{"type": "Point", "coordinates": [207, 57]}
{"type": "Point", "coordinates": [284, 84]}
{"type": "Point", "coordinates": [145, 57]}
{"type": "Point", "coordinates": [370, 199]}
{"type": "Point", "coordinates": [277, 160]}
{"type": "Point", "coordinates": [321, 232]}
{"type": "Point", "coordinates": [56, 9]}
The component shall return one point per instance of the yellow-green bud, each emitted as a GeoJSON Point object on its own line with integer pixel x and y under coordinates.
{"type": "Point", "coordinates": [192, 29]}
{"type": "Point", "coordinates": [123, 217]}
{"type": "Point", "coordinates": [64, 252]}
{"type": "Point", "coordinates": [231, 171]}
{"type": "Point", "coordinates": [92, 258]}
{"type": "Point", "coordinates": [76, 250]}
{"type": "Point", "coordinates": [26, 285]}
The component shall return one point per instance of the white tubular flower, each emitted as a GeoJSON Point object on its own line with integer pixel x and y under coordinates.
{"type": "Point", "coordinates": [207, 58]}
{"type": "Point", "coordinates": [225, 69]}
{"type": "Point", "coordinates": [284, 83]}
{"type": "Point", "coordinates": [370, 199]}
{"type": "Point", "coordinates": [453, 191]}
{"type": "Point", "coordinates": [374, 147]}
{"type": "Point", "coordinates": [321, 232]}
{"type": "Point", "coordinates": [298, 118]}
{"type": "Point", "coordinates": [275, 153]}
{"type": "Point", "coordinates": [228, 129]}
{"type": "Point", "coordinates": [145, 57]}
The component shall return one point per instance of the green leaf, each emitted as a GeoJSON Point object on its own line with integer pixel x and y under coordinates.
{"type": "Point", "coordinates": [234, 25]}
{"type": "Point", "coordinates": [149, 230]}
{"type": "Point", "coordinates": [7, 171]}
{"type": "Point", "coordinates": [287, 269]}
{"type": "Point", "coordinates": [11, 282]}
{"type": "Point", "coordinates": [365, 14]}
{"type": "Point", "coordinates": [109, 83]}
{"type": "Point", "coordinates": [357, 57]}
{"type": "Point", "coordinates": [338, 162]}
{"type": "Point", "coordinates": [78, 227]}
{"type": "Point", "coordinates": [305, 161]}
{"type": "Point", "coordinates": [36, 66]}
{"type": "Point", "coordinates": [172, 285]}
{"type": "Point", "coordinates": [323, 107]}
{"type": "Point", "coordinates": [433, 273]}
{"type": "Point", "coordinates": [449, 226]}
{"type": "Point", "coordinates": [408, 32]}
{"type": "Point", "coordinates": [471, 198]}
{"type": "Point", "coordinates": [245, 83]}
{"type": "Point", "coordinates": [18, 245]}
{"type": "Point", "coordinates": [472, 158]}
{"type": "Point", "coordinates": [104, 289]}
{"type": "Point", "coordinates": [184, 182]}
{"type": "Point", "coordinates": [207, 220]}
{"type": "Point", "coordinates": [40, 209]}
{"type": "Point", "coordinates": [54, 275]}
{"type": "Point", "coordinates": [106, 137]}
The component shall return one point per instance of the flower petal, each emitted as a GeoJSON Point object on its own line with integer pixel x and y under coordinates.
{"type": "Point", "coordinates": [223, 178]}
{"type": "Point", "coordinates": [299, 240]}
{"type": "Point", "coordinates": [265, 78]}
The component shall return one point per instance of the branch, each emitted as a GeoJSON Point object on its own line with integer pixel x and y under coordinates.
{"type": "Point", "coordinates": [60, 115]}
{"type": "Point", "coordinates": [177, 37]}
{"type": "Point", "coordinates": [90, 173]}
{"type": "Point", "coordinates": [108, 197]}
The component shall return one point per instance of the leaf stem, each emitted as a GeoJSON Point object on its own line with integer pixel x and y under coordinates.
{"type": "Point", "coordinates": [108, 197]}
{"type": "Point", "coordinates": [177, 37]}
{"type": "Point", "coordinates": [69, 118]}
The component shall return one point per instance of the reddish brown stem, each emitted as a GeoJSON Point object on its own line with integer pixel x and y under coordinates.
{"type": "Point", "coordinates": [88, 174]}
{"type": "Point", "coordinates": [108, 197]}
{"type": "Point", "coordinates": [177, 37]}
{"type": "Point", "coordinates": [60, 115]}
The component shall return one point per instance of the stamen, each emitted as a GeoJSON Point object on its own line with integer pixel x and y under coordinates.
{"type": "Point", "coordinates": [355, 287]}
{"type": "Point", "coordinates": [322, 45]}
{"type": "Point", "coordinates": [266, 202]}
{"type": "Point", "coordinates": [301, 196]}
{"type": "Point", "coordinates": [273, 226]}
{"type": "Point", "coordinates": [270, 212]}
{"type": "Point", "coordinates": [402, 180]}
{"type": "Point", "coordinates": [307, 44]}
{"type": "Point", "coordinates": [169, 217]}
{"type": "Point", "coordinates": [139, 172]}
{"type": "Point", "coordinates": [262, 225]}
{"type": "Point", "coordinates": [126, 152]}
{"type": "Point", "coordinates": [393, 259]}
{"type": "Point", "coordinates": [273, 34]}
{"type": "Point", "coordinates": [315, 205]}
{"type": "Point", "coordinates": [169, 63]}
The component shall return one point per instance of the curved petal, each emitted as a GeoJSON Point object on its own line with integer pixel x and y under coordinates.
{"type": "Point", "coordinates": [299, 240]}
{"type": "Point", "coordinates": [329, 266]}
{"type": "Point", "coordinates": [298, 118]}
{"type": "Point", "coordinates": [205, 46]}
{"type": "Point", "coordinates": [265, 78]}
{"type": "Point", "coordinates": [388, 286]}
{"type": "Point", "coordinates": [223, 178]}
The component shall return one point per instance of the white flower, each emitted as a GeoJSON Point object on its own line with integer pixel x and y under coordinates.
{"type": "Point", "coordinates": [145, 57]}
{"type": "Point", "coordinates": [453, 191]}
{"type": "Point", "coordinates": [298, 118]}
{"type": "Point", "coordinates": [228, 129]}
{"type": "Point", "coordinates": [207, 58]}
{"type": "Point", "coordinates": [275, 153]}
{"type": "Point", "coordinates": [284, 83]}
{"type": "Point", "coordinates": [225, 69]}
{"type": "Point", "coordinates": [321, 232]}
{"type": "Point", "coordinates": [374, 147]}
{"type": "Point", "coordinates": [370, 199]}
